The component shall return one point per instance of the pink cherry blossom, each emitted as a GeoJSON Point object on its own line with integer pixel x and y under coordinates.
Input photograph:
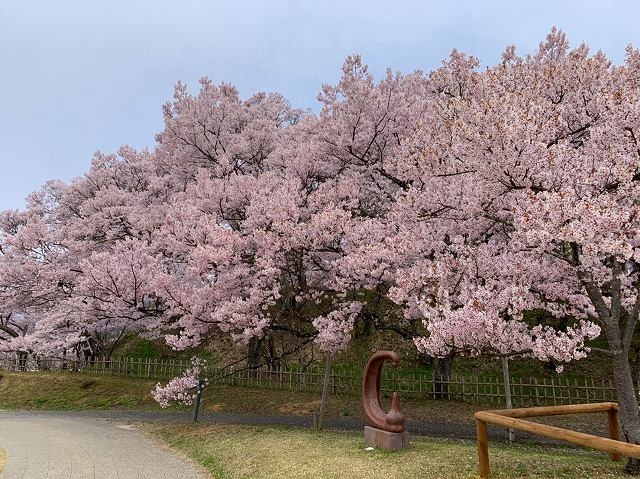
{"type": "Point", "coordinates": [183, 388]}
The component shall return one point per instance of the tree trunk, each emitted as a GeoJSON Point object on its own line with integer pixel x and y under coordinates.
{"type": "Point", "coordinates": [627, 400]}
{"type": "Point", "coordinates": [63, 364]}
{"type": "Point", "coordinates": [253, 353]}
{"type": "Point", "coordinates": [441, 377]}
{"type": "Point", "coordinates": [628, 404]}
{"type": "Point", "coordinates": [634, 360]}
{"type": "Point", "coordinates": [507, 393]}
{"type": "Point", "coordinates": [275, 361]}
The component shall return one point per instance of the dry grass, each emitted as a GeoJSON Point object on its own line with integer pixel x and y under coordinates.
{"type": "Point", "coordinates": [252, 452]}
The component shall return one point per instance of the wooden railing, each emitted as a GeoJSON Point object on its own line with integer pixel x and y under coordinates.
{"type": "Point", "coordinates": [511, 418]}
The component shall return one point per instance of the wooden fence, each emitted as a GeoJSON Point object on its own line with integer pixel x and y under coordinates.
{"type": "Point", "coordinates": [146, 368]}
{"type": "Point", "coordinates": [525, 392]}
{"type": "Point", "coordinates": [476, 389]}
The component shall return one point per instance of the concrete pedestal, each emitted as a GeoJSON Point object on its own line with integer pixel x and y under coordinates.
{"type": "Point", "coordinates": [390, 441]}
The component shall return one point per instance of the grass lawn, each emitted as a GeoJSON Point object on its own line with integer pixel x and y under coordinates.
{"type": "Point", "coordinates": [259, 452]}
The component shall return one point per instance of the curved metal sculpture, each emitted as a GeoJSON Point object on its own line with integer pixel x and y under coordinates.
{"type": "Point", "coordinates": [393, 421]}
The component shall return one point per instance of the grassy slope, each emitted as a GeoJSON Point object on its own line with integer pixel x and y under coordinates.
{"type": "Point", "coordinates": [68, 391]}
{"type": "Point", "coordinates": [75, 391]}
{"type": "Point", "coordinates": [267, 452]}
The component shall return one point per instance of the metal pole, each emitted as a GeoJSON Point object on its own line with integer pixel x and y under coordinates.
{"type": "Point", "coordinates": [196, 407]}
{"type": "Point", "coordinates": [507, 392]}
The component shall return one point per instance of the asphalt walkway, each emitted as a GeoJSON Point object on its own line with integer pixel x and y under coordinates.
{"type": "Point", "coordinates": [68, 446]}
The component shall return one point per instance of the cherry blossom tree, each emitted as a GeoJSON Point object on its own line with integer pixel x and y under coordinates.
{"type": "Point", "coordinates": [254, 244]}
{"type": "Point", "coordinates": [441, 206]}
{"type": "Point", "coordinates": [254, 235]}
{"type": "Point", "coordinates": [523, 195]}
{"type": "Point", "coordinates": [60, 258]}
{"type": "Point", "coordinates": [30, 253]}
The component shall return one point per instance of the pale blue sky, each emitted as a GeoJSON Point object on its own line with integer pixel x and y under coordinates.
{"type": "Point", "coordinates": [78, 76]}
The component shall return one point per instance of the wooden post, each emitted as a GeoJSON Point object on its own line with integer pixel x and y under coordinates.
{"type": "Point", "coordinates": [477, 389]}
{"type": "Point", "coordinates": [325, 394]}
{"type": "Point", "coordinates": [483, 448]}
{"type": "Point", "coordinates": [614, 431]}
{"type": "Point", "coordinates": [507, 392]}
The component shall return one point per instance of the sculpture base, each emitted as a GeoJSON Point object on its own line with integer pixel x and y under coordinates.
{"type": "Point", "coordinates": [389, 441]}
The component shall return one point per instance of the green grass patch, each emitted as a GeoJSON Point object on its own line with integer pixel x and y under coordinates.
{"type": "Point", "coordinates": [259, 452]}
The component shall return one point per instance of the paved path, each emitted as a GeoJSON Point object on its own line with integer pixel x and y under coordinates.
{"type": "Point", "coordinates": [58, 446]}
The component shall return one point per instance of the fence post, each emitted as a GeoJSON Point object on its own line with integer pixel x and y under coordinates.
{"type": "Point", "coordinates": [319, 420]}
{"type": "Point", "coordinates": [483, 448]}
{"type": "Point", "coordinates": [614, 430]}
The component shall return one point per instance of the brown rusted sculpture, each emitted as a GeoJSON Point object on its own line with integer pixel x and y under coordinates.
{"type": "Point", "coordinates": [393, 421]}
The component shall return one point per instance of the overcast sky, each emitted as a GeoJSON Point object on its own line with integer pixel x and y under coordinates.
{"type": "Point", "coordinates": [90, 75]}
